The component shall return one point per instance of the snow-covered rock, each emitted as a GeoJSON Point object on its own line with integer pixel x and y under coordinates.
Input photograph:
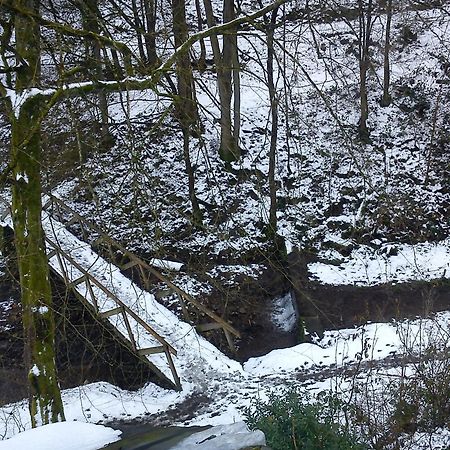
{"type": "Point", "coordinates": [235, 436]}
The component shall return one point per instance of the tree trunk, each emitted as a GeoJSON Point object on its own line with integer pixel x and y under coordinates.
{"type": "Point", "coordinates": [274, 127]}
{"type": "Point", "coordinates": [386, 99]}
{"type": "Point", "coordinates": [201, 63]}
{"type": "Point", "coordinates": [365, 26]}
{"type": "Point", "coordinates": [139, 30]}
{"type": "Point", "coordinates": [186, 109]}
{"type": "Point", "coordinates": [229, 149]}
{"type": "Point", "coordinates": [150, 35]}
{"type": "Point", "coordinates": [230, 57]}
{"type": "Point", "coordinates": [90, 13]}
{"type": "Point", "coordinates": [38, 322]}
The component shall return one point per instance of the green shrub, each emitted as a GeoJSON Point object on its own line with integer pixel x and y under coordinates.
{"type": "Point", "coordinates": [290, 421]}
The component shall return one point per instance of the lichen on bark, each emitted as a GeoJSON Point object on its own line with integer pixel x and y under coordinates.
{"type": "Point", "coordinates": [38, 321]}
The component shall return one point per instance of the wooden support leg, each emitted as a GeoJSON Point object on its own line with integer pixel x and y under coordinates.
{"type": "Point", "coordinates": [230, 340]}
{"type": "Point", "coordinates": [175, 376]}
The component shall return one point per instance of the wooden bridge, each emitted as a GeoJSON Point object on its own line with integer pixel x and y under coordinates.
{"type": "Point", "coordinates": [130, 320]}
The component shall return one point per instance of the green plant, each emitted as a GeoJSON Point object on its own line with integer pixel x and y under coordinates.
{"type": "Point", "coordinates": [290, 420]}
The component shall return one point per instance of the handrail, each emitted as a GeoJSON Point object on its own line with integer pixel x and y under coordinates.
{"type": "Point", "coordinates": [143, 264]}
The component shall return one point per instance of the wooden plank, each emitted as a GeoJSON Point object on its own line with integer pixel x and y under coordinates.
{"type": "Point", "coordinates": [51, 254]}
{"type": "Point", "coordinates": [208, 326]}
{"type": "Point", "coordinates": [173, 369]}
{"type": "Point", "coordinates": [78, 281]}
{"type": "Point", "coordinates": [111, 312]}
{"type": "Point", "coordinates": [111, 295]}
{"type": "Point", "coordinates": [151, 350]}
{"type": "Point", "coordinates": [72, 220]}
{"type": "Point", "coordinates": [144, 277]}
{"type": "Point", "coordinates": [129, 265]}
{"type": "Point", "coordinates": [230, 340]}
{"type": "Point", "coordinates": [129, 330]}
{"type": "Point", "coordinates": [184, 309]}
{"type": "Point", "coordinates": [92, 294]}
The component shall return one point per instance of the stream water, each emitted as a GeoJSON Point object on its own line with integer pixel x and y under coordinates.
{"type": "Point", "coordinates": [148, 437]}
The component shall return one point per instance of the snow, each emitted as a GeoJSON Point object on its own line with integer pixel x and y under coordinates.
{"type": "Point", "coordinates": [166, 265]}
{"type": "Point", "coordinates": [63, 436]}
{"type": "Point", "coordinates": [223, 437]}
{"type": "Point", "coordinates": [368, 342]}
{"type": "Point", "coordinates": [390, 263]}
{"type": "Point", "coordinates": [35, 370]}
{"type": "Point", "coordinates": [22, 177]}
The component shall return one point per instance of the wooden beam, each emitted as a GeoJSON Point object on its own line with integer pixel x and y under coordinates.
{"type": "Point", "coordinates": [129, 265]}
{"type": "Point", "coordinates": [111, 312]}
{"type": "Point", "coordinates": [151, 350]}
{"type": "Point", "coordinates": [51, 254]}
{"type": "Point", "coordinates": [208, 326]}
{"type": "Point", "coordinates": [78, 281]}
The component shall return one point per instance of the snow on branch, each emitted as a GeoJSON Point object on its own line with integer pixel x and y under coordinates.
{"type": "Point", "coordinates": [129, 83]}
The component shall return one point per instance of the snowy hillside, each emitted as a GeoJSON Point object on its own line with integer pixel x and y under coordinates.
{"type": "Point", "coordinates": [354, 212]}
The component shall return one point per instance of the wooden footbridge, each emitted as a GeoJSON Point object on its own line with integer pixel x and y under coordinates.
{"type": "Point", "coordinates": [89, 277]}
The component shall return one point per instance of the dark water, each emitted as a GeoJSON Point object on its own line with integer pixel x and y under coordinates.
{"type": "Point", "coordinates": [144, 436]}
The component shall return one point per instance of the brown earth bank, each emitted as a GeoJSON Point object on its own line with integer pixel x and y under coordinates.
{"type": "Point", "coordinates": [87, 350]}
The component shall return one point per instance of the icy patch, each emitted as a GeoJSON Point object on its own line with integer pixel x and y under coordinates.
{"type": "Point", "coordinates": [63, 436]}
{"type": "Point", "coordinates": [223, 437]}
{"type": "Point", "coordinates": [284, 315]}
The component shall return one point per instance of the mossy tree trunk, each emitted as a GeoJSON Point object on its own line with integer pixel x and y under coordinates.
{"type": "Point", "coordinates": [38, 321]}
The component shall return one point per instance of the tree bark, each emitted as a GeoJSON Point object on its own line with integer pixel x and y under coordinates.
{"type": "Point", "coordinates": [38, 322]}
{"type": "Point", "coordinates": [365, 26]}
{"type": "Point", "coordinates": [185, 107]}
{"type": "Point", "coordinates": [201, 64]}
{"type": "Point", "coordinates": [274, 126]}
{"type": "Point", "coordinates": [90, 13]}
{"type": "Point", "coordinates": [150, 35]}
{"type": "Point", "coordinates": [386, 99]}
{"type": "Point", "coordinates": [229, 149]}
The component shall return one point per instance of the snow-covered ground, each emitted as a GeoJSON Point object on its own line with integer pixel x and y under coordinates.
{"type": "Point", "coordinates": [390, 263]}
{"type": "Point", "coordinates": [63, 436]}
{"type": "Point", "coordinates": [224, 392]}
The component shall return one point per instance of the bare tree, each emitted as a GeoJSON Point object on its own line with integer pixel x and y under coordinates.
{"type": "Point", "coordinates": [365, 30]}
{"type": "Point", "coordinates": [386, 99]}
{"type": "Point", "coordinates": [229, 148]}
{"type": "Point", "coordinates": [185, 105]}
